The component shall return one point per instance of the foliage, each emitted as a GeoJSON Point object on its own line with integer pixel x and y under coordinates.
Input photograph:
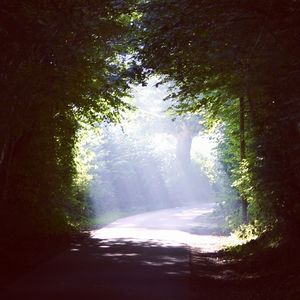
{"type": "Point", "coordinates": [67, 62]}
{"type": "Point", "coordinates": [60, 63]}
{"type": "Point", "coordinates": [127, 172]}
{"type": "Point", "coordinates": [216, 53]}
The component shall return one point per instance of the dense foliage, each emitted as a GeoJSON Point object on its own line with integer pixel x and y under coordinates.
{"type": "Point", "coordinates": [219, 54]}
{"type": "Point", "coordinates": [59, 62]}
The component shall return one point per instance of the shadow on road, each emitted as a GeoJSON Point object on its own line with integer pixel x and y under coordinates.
{"type": "Point", "coordinates": [109, 269]}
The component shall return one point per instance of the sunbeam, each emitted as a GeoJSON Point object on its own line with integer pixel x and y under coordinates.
{"type": "Point", "coordinates": [151, 160]}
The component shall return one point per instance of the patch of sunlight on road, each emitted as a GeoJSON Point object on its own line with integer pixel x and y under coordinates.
{"type": "Point", "coordinates": [188, 226]}
{"type": "Point", "coordinates": [207, 243]}
{"type": "Point", "coordinates": [120, 254]}
{"type": "Point", "coordinates": [189, 214]}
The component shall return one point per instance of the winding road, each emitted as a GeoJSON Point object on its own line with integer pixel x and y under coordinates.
{"type": "Point", "coordinates": [146, 256]}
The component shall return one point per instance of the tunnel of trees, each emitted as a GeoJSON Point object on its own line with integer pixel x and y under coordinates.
{"type": "Point", "coordinates": [68, 63]}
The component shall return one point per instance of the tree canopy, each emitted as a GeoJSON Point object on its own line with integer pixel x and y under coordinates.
{"type": "Point", "coordinates": [217, 53]}
{"type": "Point", "coordinates": [63, 62]}
{"type": "Point", "coordinates": [60, 63]}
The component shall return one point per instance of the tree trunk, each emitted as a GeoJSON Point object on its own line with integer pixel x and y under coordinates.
{"type": "Point", "coordinates": [243, 155]}
{"type": "Point", "coordinates": [183, 147]}
{"type": "Point", "coordinates": [251, 109]}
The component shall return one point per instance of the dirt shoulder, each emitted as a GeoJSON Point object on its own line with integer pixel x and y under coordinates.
{"type": "Point", "coordinates": [223, 276]}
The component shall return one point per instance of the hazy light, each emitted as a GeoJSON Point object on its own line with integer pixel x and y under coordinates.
{"type": "Point", "coordinates": [163, 142]}
{"type": "Point", "coordinates": [135, 165]}
{"type": "Point", "coordinates": [203, 145]}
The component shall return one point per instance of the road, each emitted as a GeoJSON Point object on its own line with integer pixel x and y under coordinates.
{"type": "Point", "coordinates": [146, 256]}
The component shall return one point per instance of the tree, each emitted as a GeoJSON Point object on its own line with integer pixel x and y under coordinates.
{"type": "Point", "coordinates": [218, 52]}
{"type": "Point", "coordinates": [243, 153]}
{"type": "Point", "coordinates": [60, 63]}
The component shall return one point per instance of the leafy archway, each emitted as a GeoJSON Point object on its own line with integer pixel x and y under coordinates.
{"type": "Point", "coordinates": [64, 61]}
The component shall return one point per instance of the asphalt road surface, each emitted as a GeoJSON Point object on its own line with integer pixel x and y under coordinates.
{"type": "Point", "coordinates": [146, 256]}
